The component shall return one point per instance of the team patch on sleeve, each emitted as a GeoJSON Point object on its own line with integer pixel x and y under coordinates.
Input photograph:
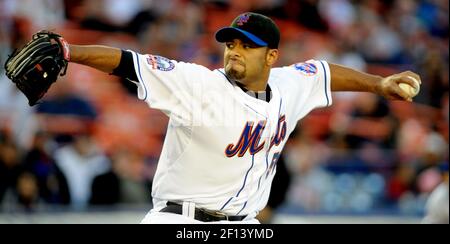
{"type": "Point", "coordinates": [160, 63]}
{"type": "Point", "coordinates": [307, 69]}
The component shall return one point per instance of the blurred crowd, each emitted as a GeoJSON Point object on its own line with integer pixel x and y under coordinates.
{"type": "Point", "coordinates": [92, 143]}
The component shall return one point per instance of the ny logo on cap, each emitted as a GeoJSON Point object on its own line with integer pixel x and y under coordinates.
{"type": "Point", "coordinates": [242, 19]}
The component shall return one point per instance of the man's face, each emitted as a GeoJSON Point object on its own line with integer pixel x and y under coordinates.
{"type": "Point", "coordinates": [244, 61]}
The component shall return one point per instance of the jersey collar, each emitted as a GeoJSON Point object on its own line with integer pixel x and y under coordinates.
{"type": "Point", "coordinates": [265, 96]}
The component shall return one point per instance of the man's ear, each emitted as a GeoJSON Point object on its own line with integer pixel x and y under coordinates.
{"type": "Point", "coordinates": [272, 56]}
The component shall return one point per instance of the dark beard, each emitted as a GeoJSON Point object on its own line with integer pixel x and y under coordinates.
{"type": "Point", "coordinates": [234, 75]}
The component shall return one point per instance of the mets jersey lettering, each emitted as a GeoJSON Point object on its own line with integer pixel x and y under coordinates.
{"type": "Point", "coordinates": [250, 138]}
{"type": "Point", "coordinates": [281, 132]}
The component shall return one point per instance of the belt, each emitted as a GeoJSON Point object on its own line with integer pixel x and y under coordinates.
{"type": "Point", "coordinates": [201, 214]}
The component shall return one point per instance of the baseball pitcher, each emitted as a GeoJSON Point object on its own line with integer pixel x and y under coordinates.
{"type": "Point", "coordinates": [227, 126]}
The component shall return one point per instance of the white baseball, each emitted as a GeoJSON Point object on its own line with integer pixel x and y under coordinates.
{"type": "Point", "coordinates": [410, 90]}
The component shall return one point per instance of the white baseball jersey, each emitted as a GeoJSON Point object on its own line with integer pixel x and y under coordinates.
{"type": "Point", "coordinates": [222, 144]}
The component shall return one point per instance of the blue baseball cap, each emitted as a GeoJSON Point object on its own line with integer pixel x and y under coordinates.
{"type": "Point", "coordinates": [255, 28]}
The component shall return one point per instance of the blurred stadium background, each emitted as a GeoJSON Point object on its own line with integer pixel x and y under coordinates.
{"type": "Point", "coordinates": [88, 153]}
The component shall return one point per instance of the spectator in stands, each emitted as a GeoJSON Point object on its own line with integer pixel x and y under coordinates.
{"type": "Point", "coordinates": [80, 162]}
{"type": "Point", "coordinates": [39, 162]}
{"type": "Point", "coordinates": [18, 189]}
{"type": "Point", "coordinates": [437, 206]}
{"type": "Point", "coordinates": [125, 183]}
{"type": "Point", "coordinates": [27, 191]}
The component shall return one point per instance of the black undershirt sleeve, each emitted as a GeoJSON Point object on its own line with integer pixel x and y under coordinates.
{"type": "Point", "coordinates": [126, 67]}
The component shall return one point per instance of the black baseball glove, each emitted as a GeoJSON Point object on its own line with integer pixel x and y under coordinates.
{"type": "Point", "coordinates": [36, 66]}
